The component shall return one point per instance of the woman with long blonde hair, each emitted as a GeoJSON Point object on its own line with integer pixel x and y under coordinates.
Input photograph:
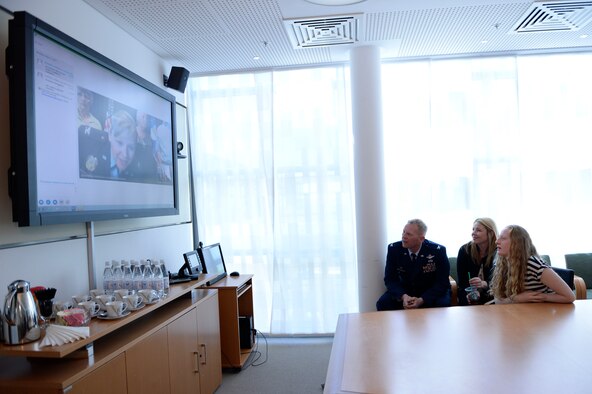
{"type": "Point", "coordinates": [520, 275]}
{"type": "Point", "coordinates": [474, 262]}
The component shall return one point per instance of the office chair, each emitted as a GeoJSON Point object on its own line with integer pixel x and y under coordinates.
{"type": "Point", "coordinates": [453, 285]}
{"type": "Point", "coordinates": [574, 282]}
{"type": "Point", "coordinates": [453, 272]}
{"type": "Point", "coordinates": [581, 263]}
{"type": "Point", "coordinates": [453, 291]}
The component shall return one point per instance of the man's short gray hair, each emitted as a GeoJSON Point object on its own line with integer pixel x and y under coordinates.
{"type": "Point", "coordinates": [423, 228]}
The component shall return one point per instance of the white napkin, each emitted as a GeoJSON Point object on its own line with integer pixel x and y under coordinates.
{"type": "Point", "coordinates": [56, 335]}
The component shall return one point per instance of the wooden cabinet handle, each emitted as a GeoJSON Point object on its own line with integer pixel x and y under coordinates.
{"type": "Point", "coordinates": [196, 366]}
{"type": "Point", "coordinates": [204, 354]}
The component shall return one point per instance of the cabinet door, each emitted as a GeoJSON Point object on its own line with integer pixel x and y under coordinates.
{"type": "Point", "coordinates": [109, 378]}
{"type": "Point", "coordinates": [229, 332]}
{"type": "Point", "coordinates": [147, 365]}
{"type": "Point", "coordinates": [208, 334]}
{"type": "Point", "coordinates": [184, 366]}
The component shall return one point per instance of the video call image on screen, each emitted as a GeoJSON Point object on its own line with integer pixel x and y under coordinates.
{"type": "Point", "coordinates": [102, 140]}
{"type": "Point", "coordinates": [120, 142]}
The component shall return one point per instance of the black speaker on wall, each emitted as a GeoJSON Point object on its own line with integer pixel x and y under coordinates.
{"type": "Point", "coordinates": [177, 79]}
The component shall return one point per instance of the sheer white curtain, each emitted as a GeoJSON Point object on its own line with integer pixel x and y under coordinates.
{"type": "Point", "coordinates": [504, 137]}
{"type": "Point", "coordinates": [273, 178]}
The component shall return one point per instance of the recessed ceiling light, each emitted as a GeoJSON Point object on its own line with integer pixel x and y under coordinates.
{"type": "Point", "coordinates": [335, 2]}
{"type": "Point", "coordinates": [483, 41]}
{"type": "Point", "coordinates": [584, 36]}
{"type": "Point", "coordinates": [256, 58]}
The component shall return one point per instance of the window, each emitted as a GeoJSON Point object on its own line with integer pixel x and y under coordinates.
{"type": "Point", "coordinates": [273, 177]}
{"type": "Point", "coordinates": [502, 137]}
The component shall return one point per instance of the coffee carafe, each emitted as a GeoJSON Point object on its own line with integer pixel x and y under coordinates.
{"type": "Point", "coordinates": [20, 319]}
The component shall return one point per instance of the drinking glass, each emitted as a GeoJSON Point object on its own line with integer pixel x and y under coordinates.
{"type": "Point", "coordinates": [46, 310]}
{"type": "Point", "coordinates": [473, 295]}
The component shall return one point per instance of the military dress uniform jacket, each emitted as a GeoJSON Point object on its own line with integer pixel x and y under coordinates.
{"type": "Point", "coordinates": [427, 277]}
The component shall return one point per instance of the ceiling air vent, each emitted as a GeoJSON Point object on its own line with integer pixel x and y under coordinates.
{"type": "Point", "coordinates": [546, 16]}
{"type": "Point", "coordinates": [324, 31]}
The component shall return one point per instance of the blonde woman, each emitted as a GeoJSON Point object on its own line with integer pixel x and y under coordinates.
{"type": "Point", "coordinates": [474, 264]}
{"type": "Point", "coordinates": [520, 275]}
{"type": "Point", "coordinates": [123, 139]}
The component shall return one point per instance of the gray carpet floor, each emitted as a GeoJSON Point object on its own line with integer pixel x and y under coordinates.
{"type": "Point", "coordinates": [286, 365]}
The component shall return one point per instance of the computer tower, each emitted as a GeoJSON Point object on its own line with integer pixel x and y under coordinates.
{"type": "Point", "coordinates": [247, 332]}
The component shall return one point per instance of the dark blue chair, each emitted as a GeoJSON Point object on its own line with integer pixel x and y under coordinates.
{"type": "Point", "coordinates": [581, 263]}
{"type": "Point", "coordinates": [453, 282]}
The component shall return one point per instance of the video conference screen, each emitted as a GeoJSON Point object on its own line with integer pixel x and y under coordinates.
{"type": "Point", "coordinates": [102, 141]}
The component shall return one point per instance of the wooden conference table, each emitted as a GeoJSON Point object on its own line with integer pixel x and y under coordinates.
{"type": "Point", "coordinates": [517, 348]}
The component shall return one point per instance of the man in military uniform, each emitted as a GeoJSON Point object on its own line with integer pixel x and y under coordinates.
{"type": "Point", "coordinates": [416, 272]}
{"type": "Point", "coordinates": [93, 152]}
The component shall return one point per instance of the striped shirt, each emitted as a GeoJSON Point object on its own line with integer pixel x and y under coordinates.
{"type": "Point", "coordinates": [534, 270]}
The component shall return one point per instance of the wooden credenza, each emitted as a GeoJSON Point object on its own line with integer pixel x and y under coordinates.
{"type": "Point", "coordinates": [169, 347]}
{"type": "Point", "coordinates": [235, 300]}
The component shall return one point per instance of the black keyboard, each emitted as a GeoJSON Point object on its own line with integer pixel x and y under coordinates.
{"type": "Point", "coordinates": [178, 279]}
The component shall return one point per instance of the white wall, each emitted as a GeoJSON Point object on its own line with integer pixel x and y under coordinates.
{"type": "Point", "coordinates": [61, 265]}
{"type": "Point", "coordinates": [56, 256]}
{"type": "Point", "coordinates": [82, 22]}
{"type": "Point", "coordinates": [166, 243]}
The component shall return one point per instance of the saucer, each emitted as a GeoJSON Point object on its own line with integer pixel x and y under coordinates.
{"type": "Point", "coordinates": [151, 302]}
{"type": "Point", "coordinates": [142, 305]}
{"type": "Point", "coordinates": [104, 316]}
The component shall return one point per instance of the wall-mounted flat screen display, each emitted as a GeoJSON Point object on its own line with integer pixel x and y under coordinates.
{"type": "Point", "coordinates": [90, 140]}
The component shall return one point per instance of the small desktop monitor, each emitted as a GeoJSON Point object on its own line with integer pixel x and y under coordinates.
{"type": "Point", "coordinates": [213, 262]}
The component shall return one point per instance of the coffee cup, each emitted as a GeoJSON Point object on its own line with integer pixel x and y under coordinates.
{"type": "Point", "coordinates": [103, 299]}
{"type": "Point", "coordinates": [115, 308]}
{"type": "Point", "coordinates": [120, 293]}
{"type": "Point", "coordinates": [96, 292]}
{"type": "Point", "coordinates": [90, 306]}
{"type": "Point", "coordinates": [148, 295]}
{"type": "Point", "coordinates": [473, 295]}
{"type": "Point", "coordinates": [133, 301]}
{"type": "Point", "coordinates": [61, 306]}
{"type": "Point", "coordinates": [81, 298]}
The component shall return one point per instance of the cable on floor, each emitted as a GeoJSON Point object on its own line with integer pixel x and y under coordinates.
{"type": "Point", "coordinates": [255, 353]}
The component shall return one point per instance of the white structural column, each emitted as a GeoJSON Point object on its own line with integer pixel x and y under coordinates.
{"type": "Point", "coordinates": [369, 174]}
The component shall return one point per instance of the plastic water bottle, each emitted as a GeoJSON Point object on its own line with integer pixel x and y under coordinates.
{"type": "Point", "coordinates": [108, 278]}
{"type": "Point", "coordinates": [165, 277]}
{"type": "Point", "coordinates": [142, 265]}
{"type": "Point", "coordinates": [147, 277]}
{"type": "Point", "coordinates": [128, 280]}
{"type": "Point", "coordinates": [157, 279]}
{"type": "Point", "coordinates": [137, 275]}
{"type": "Point", "coordinates": [117, 275]}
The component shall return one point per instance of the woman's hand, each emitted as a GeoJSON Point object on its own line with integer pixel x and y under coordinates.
{"type": "Point", "coordinates": [478, 283]}
{"type": "Point", "coordinates": [530, 296]}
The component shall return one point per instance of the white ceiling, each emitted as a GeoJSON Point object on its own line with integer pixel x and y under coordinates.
{"type": "Point", "coordinates": [221, 36]}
